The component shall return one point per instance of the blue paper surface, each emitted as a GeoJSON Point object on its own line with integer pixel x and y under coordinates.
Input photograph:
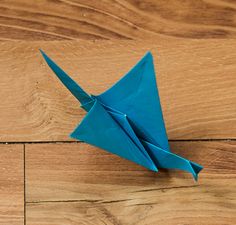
{"type": "Point", "coordinates": [127, 119]}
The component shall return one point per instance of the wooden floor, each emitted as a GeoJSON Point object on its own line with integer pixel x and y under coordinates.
{"type": "Point", "coordinates": [46, 178]}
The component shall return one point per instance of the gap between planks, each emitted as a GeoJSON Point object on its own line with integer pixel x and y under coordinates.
{"type": "Point", "coordinates": [24, 184]}
{"type": "Point", "coordinates": [68, 142]}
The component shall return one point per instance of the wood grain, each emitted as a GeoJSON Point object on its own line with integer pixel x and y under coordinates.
{"type": "Point", "coordinates": [196, 82]}
{"type": "Point", "coordinates": [132, 19]}
{"type": "Point", "coordinates": [80, 184]}
{"type": "Point", "coordinates": [161, 210]}
{"type": "Point", "coordinates": [74, 183]}
{"type": "Point", "coordinates": [11, 185]}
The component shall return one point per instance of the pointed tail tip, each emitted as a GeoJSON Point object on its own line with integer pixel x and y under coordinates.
{"type": "Point", "coordinates": [196, 168]}
{"type": "Point", "coordinates": [43, 53]}
{"type": "Point", "coordinates": [46, 58]}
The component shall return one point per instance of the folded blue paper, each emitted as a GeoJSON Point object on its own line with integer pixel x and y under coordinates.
{"type": "Point", "coordinates": [127, 120]}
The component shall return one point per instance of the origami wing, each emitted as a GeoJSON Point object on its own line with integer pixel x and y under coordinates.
{"type": "Point", "coordinates": [100, 129]}
{"type": "Point", "coordinates": [136, 95]}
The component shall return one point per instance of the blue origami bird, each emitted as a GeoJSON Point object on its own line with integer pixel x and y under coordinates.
{"type": "Point", "coordinates": [127, 120]}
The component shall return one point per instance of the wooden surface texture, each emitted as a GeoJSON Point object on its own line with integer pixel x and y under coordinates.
{"type": "Point", "coordinates": [46, 178]}
{"type": "Point", "coordinates": [124, 19]}
{"type": "Point", "coordinates": [196, 80]}
{"type": "Point", "coordinates": [11, 184]}
{"type": "Point", "coordinates": [79, 184]}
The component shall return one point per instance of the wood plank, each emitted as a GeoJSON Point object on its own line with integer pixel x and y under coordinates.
{"type": "Point", "coordinates": [196, 82]}
{"type": "Point", "coordinates": [160, 208]}
{"type": "Point", "coordinates": [130, 19]}
{"type": "Point", "coordinates": [11, 185]}
{"type": "Point", "coordinates": [66, 171]}
{"type": "Point", "coordinates": [80, 184]}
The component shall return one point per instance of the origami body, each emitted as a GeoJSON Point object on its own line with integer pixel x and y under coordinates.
{"type": "Point", "coordinates": [127, 119]}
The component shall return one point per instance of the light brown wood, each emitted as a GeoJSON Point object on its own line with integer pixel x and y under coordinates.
{"type": "Point", "coordinates": [77, 183]}
{"type": "Point", "coordinates": [196, 82]}
{"type": "Point", "coordinates": [132, 19]}
{"type": "Point", "coordinates": [11, 184]}
{"type": "Point", "coordinates": [163, 207]}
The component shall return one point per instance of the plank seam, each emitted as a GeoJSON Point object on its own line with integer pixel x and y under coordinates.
{"type": "Point", "coordinates": [24, 186]}
{"type": "Point", "coordinates": [69, 142]}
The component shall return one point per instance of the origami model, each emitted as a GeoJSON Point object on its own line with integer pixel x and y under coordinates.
{"type": "Point", "coordinates": [127, 120]}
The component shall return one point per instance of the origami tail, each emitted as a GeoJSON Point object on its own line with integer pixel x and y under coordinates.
{"type": "Point", "coordinates": [71, 85]}
{"type": "Point", "coordinates": [168, 160]}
